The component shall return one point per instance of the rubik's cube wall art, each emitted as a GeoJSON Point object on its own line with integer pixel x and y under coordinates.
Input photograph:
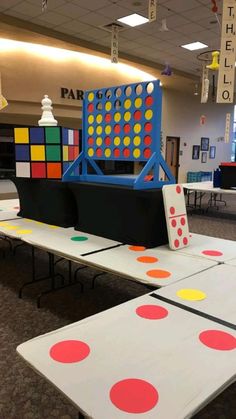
{"type": "Point", "coordinates": [122, 123]}
{"type": "Point", "coordinates": [45, 152]}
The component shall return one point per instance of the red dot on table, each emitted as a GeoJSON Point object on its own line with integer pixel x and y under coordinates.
{"type": "Point", "coordinates": [173, 223]}
{"type": "Point", "coordinates": [99, 152]}
{"type": "Point", "coordinates": [127, 128]}
{"type": "Point", "coordinates": [147, 153]}
{"type": "Point", "coordinates": [180, 232]}
{"type": "Point", "coordinates": [172, 210]}
{"type": "Point", "coordinates": [149, 101]}
{"type": "Point", "coordinates": [69, 351]}
{"type": "Point", "coordinates": [133, 395]}
{"type": "Point", "coordinates": [158, 273]}
{"type": "Point", "coordinates": [137, 115]}
{"type": "Point", "coordinates": [212, 253]}
{"type": "Point", "coordinates": [90, 141]}
{"type": "Point", "coordinates": [117, 128]}
{"type": "Point", "coordinates": [178, 189]}
{"type": "Point", "coordinates": [185, 241]}
{"type": "Point", "coordinates": [108, 117]}
{"type": "Point", "coordinates": [147, 140]}
{"type": "Point", "coordinates": [90, 107]}
{"type": "Point", "coordinates": [147, 259]}
{"type": "Point", "coordinates": [116, 152]}
{"type": "Point", "coordinates": [107, 141]}
{"type": "Point", "coordinates": [217, 339]}
{"type": "Point", "coordinates": [148, 126]}
{"type": "Point", "coordinates": [126, 152]}
{"type": "Point", "coordinates": [182, 221]}
{"type": "Point", "coordinates": [137, 248]}
{"type": "Point", "coordinates": [152, 312]}
{"type": "Point", "coordinates": [176, 243]}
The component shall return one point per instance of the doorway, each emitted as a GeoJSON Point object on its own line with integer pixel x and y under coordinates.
{"type": "Point", "coordinates": [172, 155]}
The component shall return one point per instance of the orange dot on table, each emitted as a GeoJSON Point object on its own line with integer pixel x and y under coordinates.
{"type": "Point", "coordinates": [127, 128]}
{"type": "Point", "coordinates": [172, 210]}
{"type": "Point", "coordinates": [116, 152]}
{"type": "Point", "coordinates": [147, 140]}
{"type": "Point", "coordinates": [182, 221]}
{"type": "Point", "coordinates": [99, 152]}
{"type": "Point", "coordinates": [149, 101]}
{"type": "Point", "coordinates": [185, 241]}
{"type": "Point", "coordinates": [108, 117]}
{"type": "Point", "coordinates": [212, 253]}
{"type": "Point", "coordinates": [178, 189]}
{"type": "Point", "coordinates": [126, 152]}
{"type": "Point", "coordinates": [117, 128]}
{"type": "Point", "coordinates": [90, 107]}
{"type": "Point", "coordinates": [152, 312]}
{"type": "Point", "coordinates": [69, 351]}
{"type": "Point", "coordinates": [158, 273]}
{"type": "Point", "coordinates": [217, 339]}
{"type": "Point", "coordinates": [173, 223]}
{"type": "Point", "coordinates": [147, 153]}
{"type": "Point", "coordinates": [148, 126]}
{"type": "Point", "coordinates": [133, 395]}
{"type": "Point", "coordinates": [137, 115]}
{"type": "Point", "coordinates": [137, 248]}
{"type": "Point", "coordinates": [180, 232]}
{"type": "Point", "coordinates": [147, 259]}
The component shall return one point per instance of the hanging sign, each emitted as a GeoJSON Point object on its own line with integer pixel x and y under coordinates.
{"type": "Point", "coordinates": [202, 120]}
{"type": "Point", "coordinates": [114, 44]}
{"type": "Point", "coordinates": [227, 127]}
{"type": "Point", "coordinates": [225, 88]}
{"type": "Point", "coordinates": [152, 10]}
{"type": "Point", "coordinates": [205, 85]}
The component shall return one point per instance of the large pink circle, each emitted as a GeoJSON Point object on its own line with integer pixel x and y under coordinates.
{"type": "Point", "coordinates": [152, 312]}
{"type": "Point", "coordinates": [133, 395]}
{"type": "Point", "coordinates": [212, 253]}
{"type": "Point", "coordinates": [217, 339]}
{"type": "Point", "coordinates": [69, 351]}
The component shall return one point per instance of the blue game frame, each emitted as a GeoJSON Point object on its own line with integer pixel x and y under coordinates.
{"type": "Point", "coordinates": [109, 96]}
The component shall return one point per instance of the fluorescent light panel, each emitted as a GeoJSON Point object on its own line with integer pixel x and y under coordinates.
{"type": "Point", "coordinates": [133, 20]}
{"type": "Point", "coordinates": [194, 46]}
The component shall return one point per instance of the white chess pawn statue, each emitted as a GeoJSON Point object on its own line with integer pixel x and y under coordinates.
{"type": "Point", "coordinates": [47, 118]}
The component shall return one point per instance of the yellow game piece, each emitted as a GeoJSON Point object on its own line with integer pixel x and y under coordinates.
{"type": "Point", "coordinates": [90, 152]}
{"type": "Point", "coordinates": [126, 141]}
{"type": "Point", "coordinates": [127, 103]}
{"type": "Point", "coordinates": [127, 116]}
{"type": "Point", "coordinates": [24, 231]}
{"type": "Point", "coordinates": [108, 129]}
{"type": "Point", "coordinates": [117, 141]}
{"type": "Point", "coordinates": [21, 135]}
{"type": "Point", "coordinates": [99, 130]}
{"type": "Point", "coordinates": [138, 102]}
{"type": "Point", "coordinates": [137, 140]}
{"type": "Point", "coordinates": [136, 153]}
{"type": "Point", "coordinates": [148, 114]}
{"type": "Point", "coordinates": [107, 152]}
{"type": "Point", "coordinates": [191, 294]}
{"type": "Point", "coordinates": [99, 141]}
{"type": "Point", "coordinates": [117, 117]}
{"type": "Point", "coordinates": [11, 227]}
{"type": "Point", "coordinates": [90, 97]}
{"type": "Point", "coordinates": [37, 152]}
{"type": "Point", "coordinates": [65, 153]}
{"type": "Point", "coordinates": [108, 106]}
{"type": "Point", "coordinates": [99, 118]}
{"type": "Point", "coordinates": [90, 130]}
{"type": "Point", "coordinates": [91, 119]}
{"type": "Point", "coordinates": [137, 128]}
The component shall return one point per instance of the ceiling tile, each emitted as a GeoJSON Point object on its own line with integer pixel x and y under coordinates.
{"type": "Point", "coordinates": [6, 4]}
{"type": "Point", "coordinates": [71, 10]}
{"type": "Point", "coordinates": [190, 28]}
{"type": "Point", "coordinates": [52, 4]}
{"type": "Point", "coordinates": [95, 19]}
{"type": "Point", "coordinates": [132, 34]}
{"type": "Point", "coordinates": [95, 33]}
{"type": "Point", "coordinates": [181, 5]}
{"type": "Point", "coordinates": [92, 4]}
{"type": "Point", "coordinates": [198, 13]}
{"type": "Point", "coordinates": [114, 12]}
{"type": "Point", "coordinates": [75, 26]}
{"type": "Point", "coordinates": [53, 18]}
{"type": "Point", "coordinates": [27, 9]}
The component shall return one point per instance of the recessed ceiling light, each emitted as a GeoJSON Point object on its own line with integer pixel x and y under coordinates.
{"type": "Point", "coordinates": [194, 45]}
{"type": "Point", "coordinates": [133, 20]}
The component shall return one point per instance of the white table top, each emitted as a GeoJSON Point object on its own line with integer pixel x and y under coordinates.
{"type": "Point", "coordinates": [142, 358]}
{"type": "Point", "coordinates": [231, 262]}
{"type": "Point", "coordinates": [156, 267]}
{"type": "Point", "coordinates": [207, 187]}
{"type": "Point", "coordinates": [9, 209]}
{"type": "Point", "coordinates": [213, 292]}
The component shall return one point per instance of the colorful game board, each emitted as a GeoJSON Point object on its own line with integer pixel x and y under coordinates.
{"type": "Point", "coordinates": [45, 152]}
{"type": "Point", "coordinates": [122, 123]}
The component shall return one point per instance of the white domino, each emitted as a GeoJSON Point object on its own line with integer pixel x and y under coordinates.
{"type": "Point", "coordinates": [176, 216]}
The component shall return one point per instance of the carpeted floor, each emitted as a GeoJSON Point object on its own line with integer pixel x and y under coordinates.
{"type": "Point", "coordinates": [24, 394]}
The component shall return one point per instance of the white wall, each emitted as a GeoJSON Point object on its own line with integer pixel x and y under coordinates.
{"type": "Point", "coordinates": [181, 118]}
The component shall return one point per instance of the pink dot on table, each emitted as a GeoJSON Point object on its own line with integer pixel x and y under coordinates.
{"type": "Point", "coordinates": [212, 253]}
{"type": "Point", "coordinates": [126, 152]}
{"type": "Point", "coordinates": [182, 221]}
{"type": "Point", "coordinates": [116, 152]}
{"type": "Point", "coordinates": [127, 128]}
{"type": "Point", "coordinates": [99, 152]}
{"type": "Point", "coordinates": [69, 351]}
{"type": "Point", "coordinates": [90, 107]}
{"type": "Point", "coordinates": [158, 273]}
{"type": "Point", "coordinates": [147, 140]}
{"type": "Point", "coordinates": [178, 189]}
{"type": "Point", "coordinates": [147, 259]}
{"type": "Point", "coordinates": [137, 115]}
{"type": "Point", "coordinates": [149, 100]}
{"type": "Point", "coordinates": [133, 395]}
{"type": "Point", "coordinates": [148, 126]}
{"type": "Point", "coordinates": [180, 232]}
{"type": "Point", "coordinates": [117, 128]}
{"type": "Point", "coordinates": [152, 312]}
{"type": "Point", "coordinates": [107, 141]}
{"type": "Point", "coordinates": [217, 339]}
{"type": "Point", "coordinates": [147, 153]}
{"type": "Point", "coordinates": [185, 241]}
{"type": "Point", "coordinates": [172, 210]}
{"type": "Point", "coordinates": [173, 223]}
{"type": "Point", "coordinates": [176, 243]}
{"type": "Point", "coordinates": [90, 141]}
{"type": "Point", "coordinates": [108, 117]}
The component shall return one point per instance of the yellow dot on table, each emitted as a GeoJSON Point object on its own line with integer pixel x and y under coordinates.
{"type": "Point", "coordinates": [90, 97]}
{"type": "Point", "coordinates": [126, 141]}
{"type": "Point", "coordinates": [107, 152]}
{"type": "Point", "coordinates": [136, 153]}
{"type": "Point", "coordinates": [117, 141]}
{"type": "Point", "coordinates": [53, 227]}
{"type": "Point", "coordinates": [99, 130]}
{"type": "Point", "coordinates": [99, 118]}
{"type": "Point", "coordinates": [127, 116]}
{"type": "Point", "coordinates": [99, 141]}
{"type": "Point", "coordinates": [148, 114]}
{"type": "Point", "coordinates": [117, 117]}
{"type": "Point", "coordinates": [12, 227]}
{"type": "Point", "coordinates": [138, 102]}
{"type": "Point", "coordinates": [91, 119]}
{"type": "Point", "coordinates": [4, 224]}
{"type": "Point", "coordinates": [108, 129]}
{"type": "Point", "coordinates": [191, 294]}
{"type": "Point", "coordinates": [137, 140]}
{"type": "Point", "coordinates": [28, 220]}
{"type": "Point", "coordinates": [90, 130]}
{"type": "Point", "coordinates": [127, 103]}
{"type": "Point", "coordinates": [24, 231]}
{"type": "Point", "coordinates": [137, 128]}
{"type": "Point", "coordinates": [90, 152]}
{"type": "Point", "coordinates": [108, 106]}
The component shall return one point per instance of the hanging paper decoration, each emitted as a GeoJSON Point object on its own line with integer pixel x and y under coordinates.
{"type": "Point", "coordinates": [202, 120]}
{"type": "Point", "coordinates": [227, 127]}
{"type": "Point", "coordinates": [152, 10]}
{"type": "Point", "coordinates": [44, 5]}
{"type": "Point", "coordinates": [205, 85]}
{"type": "Point", "coordinates": [214, 6]}
{"type": "Point", "coordinates": [163, 27]}
{"type": "Point", "coordinates": [225, 90]}
{"type": "Point", "coordinates": [3, 101]}
{"type": "Point", "coordinates": [215, 61]}
{"type": "Point", "coordinates": [114, 44]}
{"type": "Point", "coordinates": [167, 71]}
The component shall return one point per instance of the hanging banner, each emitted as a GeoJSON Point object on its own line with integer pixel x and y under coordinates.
{"type": "Point", "coordinates": [202, 120]}
{"type": "Point", "coordinates": [225, 88]}
{"type": "Point", "coordinates": [227, 127]}
{"type": "Point", "coordinates": [205, 85]}
{"type": "Point", "coordinates": [114, 44]}
{"type": "Point", "coordinates": [152, 10]}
